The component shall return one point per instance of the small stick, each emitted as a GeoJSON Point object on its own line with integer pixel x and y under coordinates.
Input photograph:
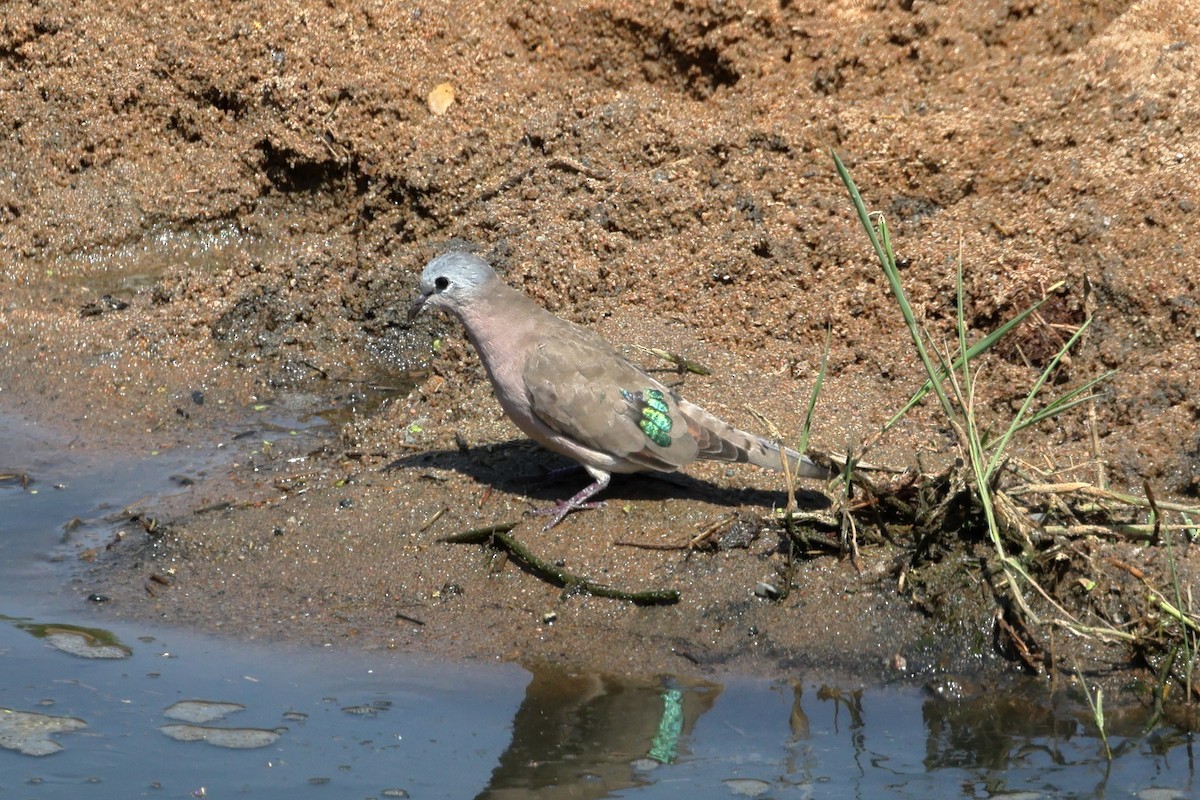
{"type": "Point", "coordinates": [433, 519]}
{"type": "Point", "coordinates": [1132, 570]}
{"type": "Point", "coordinates": [1093, 426]}
{"type": "Point", "coordinates": [1156, 537]}
{"type": "Point", "coordinates": [595, 173]}
{"type": "Point", "coordinates": [681, 363]}
{"type": "Point", "coordinates": [1088, 490]}
{"type": "Point", "coordinates": [1116, 530]}
{"type": "Point", "coordinates": [704, 536]}
{"type": "Point", "coordinates": [1019, 645]}
{"type": "Point", "coordinates": [651, 545]}
{"type": "Point", "coordinates": [478, 535]}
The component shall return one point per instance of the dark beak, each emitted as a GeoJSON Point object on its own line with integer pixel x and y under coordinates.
{"type": "Point", "coordinates": [416, 307]}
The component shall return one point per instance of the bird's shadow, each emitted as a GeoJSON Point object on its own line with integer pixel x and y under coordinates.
{"type": "Point", "coordinates": [520, 467]}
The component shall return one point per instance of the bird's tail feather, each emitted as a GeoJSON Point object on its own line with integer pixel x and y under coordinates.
{"type": "Point", "coordinates": [720, 441]}
{"type": "Point", "coordinates": [798, 465]}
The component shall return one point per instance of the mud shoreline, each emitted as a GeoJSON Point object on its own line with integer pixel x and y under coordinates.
{"type": "Point", "coordinates": [210, 212]}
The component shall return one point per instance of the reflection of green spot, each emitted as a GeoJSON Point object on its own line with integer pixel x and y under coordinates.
{"type": "Point", "coordinates": [666, 742]}
{"type": "Point", "coordinates": [655, 421]}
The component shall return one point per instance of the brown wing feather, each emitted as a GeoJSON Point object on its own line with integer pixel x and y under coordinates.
{"type": "Point", "coordinates": [583, 389]}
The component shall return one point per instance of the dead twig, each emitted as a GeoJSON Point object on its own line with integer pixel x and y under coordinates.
{"type": "Point", "coordinates": [571, 165]}
{"type": "Point", "coordinates": [682, 364]}
{"type": "Point", "coordinates": [705, 536]}
{"type": "Point", "coordinates": [1156, 536]}
{"type": "Point", "coordinates": [429, 523]}
{"type": "Point", "coordinates": [651, 545]}
{"type": "Point", "coordinates": [1018, 641]}
{"type": "Point", "coordinates": [1130, 531]}
{"type": "Point", "coordinates": [1088, 490]}
{"type": "Point", "coordinates": [415, 621]}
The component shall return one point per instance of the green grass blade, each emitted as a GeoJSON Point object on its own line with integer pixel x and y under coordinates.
{"type": "Point", "coordinates": [816, 391]}
{"type": "Point", "coordinates": [1022, 416]}
{"type": "Point", "coordinates": [887, 261]}
{"type": "Point", "coordinates": [980, 347]}
{"type": "Point", "coordinates": [1065, 403]}
{"type": "Point", "coordinates": [863, 216]}
{"type": "Point", "coordinates": [964, 360]}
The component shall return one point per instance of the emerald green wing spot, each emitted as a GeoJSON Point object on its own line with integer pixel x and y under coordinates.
{"type": "Point", "coordinates": [655, 420]}
{"type": "Point", "coordinates": [657, 426]}
{"type": "Point", "coordinates": [654, 399]}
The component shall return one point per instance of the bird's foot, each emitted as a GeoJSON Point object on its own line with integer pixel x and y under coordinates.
{"type": "Point", "coordinates": [575, 503]}
{"type": "Point", "coordinates": [560, 510]}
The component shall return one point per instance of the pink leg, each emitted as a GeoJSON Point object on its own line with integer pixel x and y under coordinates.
{"type": "Point", "coordinates": [577, 502]}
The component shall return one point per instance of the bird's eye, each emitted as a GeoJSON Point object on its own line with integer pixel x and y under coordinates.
{"type": "Point", "coordinates": [441, 282]}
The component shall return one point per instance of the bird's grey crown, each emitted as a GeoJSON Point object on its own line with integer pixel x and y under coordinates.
{"type": "Point", "coordinates": [457, 270]}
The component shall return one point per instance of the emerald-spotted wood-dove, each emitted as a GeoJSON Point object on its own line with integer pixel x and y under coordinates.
{"type": "Point", "coordinates": [567, 388]}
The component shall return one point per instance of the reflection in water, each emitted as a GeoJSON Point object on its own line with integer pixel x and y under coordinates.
{"type": "Point", "coordinates": [1013, 739]}
{"type": "Point", "coordinates": [323, 716]}
{"type": "Point", "coordinates": [199, 712]}
{"type": "Point", "coordinates": [852, 701]}
{"type": "Point", "coordinates": [75, 640]}
{"type": "Point", "coordinates": [797, 719]}
{"type": "Point", "coordinates": [665, 746]}
{"type": "Point", "coordinates": [28, 732]}
{"type": "Point", "coordinates": [559, 736]}
{"type": "Point", "coordinates": [231, 738]}
{"type": "Point", "coordinates": [588, 736]}
{"type": "Point", "coordinates": [992, 730]}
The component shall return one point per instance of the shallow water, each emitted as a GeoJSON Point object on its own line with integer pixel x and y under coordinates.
{"type": "Point", "coordinates": [131, 710]}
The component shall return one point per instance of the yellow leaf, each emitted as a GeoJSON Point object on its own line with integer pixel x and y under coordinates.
{"type": "Point", "coordinates": [441, 98]}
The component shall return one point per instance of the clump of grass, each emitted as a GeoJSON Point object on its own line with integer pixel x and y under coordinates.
{"type": "Point", "coordinates": [985, 455]}
{"type": "Point", "coordinates": [1030, 519]}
